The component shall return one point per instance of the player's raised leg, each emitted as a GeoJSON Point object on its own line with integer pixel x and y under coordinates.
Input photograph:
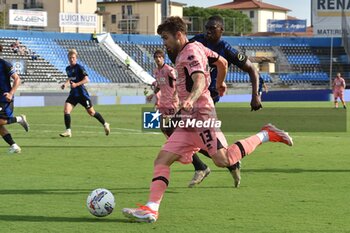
{"type": "Point", "coordinates": [21, 119]}
{"type": "Point", "coordinates": [160, 182]}
{"type": "Point", "coordinates": [238, 150]}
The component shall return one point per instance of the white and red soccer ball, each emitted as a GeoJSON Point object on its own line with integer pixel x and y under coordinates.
{"type": "Point", "coordinates": [100, 202]}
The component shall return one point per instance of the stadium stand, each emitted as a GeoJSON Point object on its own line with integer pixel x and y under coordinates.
{"type": "Point", "coordinates": [306, 59]}
{"type": "Point", "coordinates": [103, 67]}
{"type": "Point", "coordinates": [31, 70]}
{"type": "Point", "coordinates": [50, 61]}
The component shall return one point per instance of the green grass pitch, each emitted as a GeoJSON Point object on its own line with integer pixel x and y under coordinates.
{"type": "Point", "coordinates": [305, 188]}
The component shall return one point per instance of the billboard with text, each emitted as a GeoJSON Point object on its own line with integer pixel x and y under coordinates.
{"type": "Point", "coordinates": [327, 16]}
{"type": "Point", "coordinates": [282, 26]}
{"type": "Point", "coordinates": [28, 18]}
{"type": "Point", "coordinates": [77, 20]}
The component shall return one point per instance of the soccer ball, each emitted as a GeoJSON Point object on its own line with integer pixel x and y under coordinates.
{"type": "Point", "coordinates": [100, 202]}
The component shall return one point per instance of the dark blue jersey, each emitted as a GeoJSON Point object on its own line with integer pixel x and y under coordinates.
{"type": "Point", "coordinates": [225, 50]}
{"type": "Point", "coordinates": [6, 71]}
{"type": "Point", "coordinates": [76, 74]}
{"type": "Point", "coordinates": [261, 83]}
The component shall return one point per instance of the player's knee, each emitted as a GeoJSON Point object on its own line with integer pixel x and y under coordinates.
{"type": "Point", "coordinates": [165, 158]}
{"type": "Point", "coordinates": [91, 113]}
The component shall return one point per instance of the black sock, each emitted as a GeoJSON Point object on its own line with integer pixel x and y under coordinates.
{"type": "Point", "coordinates": [99, 117]}
{"type": "Point", "coordinates": [205, 153]}
{"type": "Point", "coordinates": [234, 167]}
{"type": "Point", "coordinates": [8, 139]}
{"type": "Point", "coordinates": [11, 120]}
{"type": "Point", "coordinates": [67, 120]}
{"type": "Point", "coordinates": [197, 163]}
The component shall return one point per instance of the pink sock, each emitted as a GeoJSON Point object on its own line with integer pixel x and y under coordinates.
{"type": "Point", "coordinates": [159, 183]}
{"type": "Point", "coordinates": [242, 148]}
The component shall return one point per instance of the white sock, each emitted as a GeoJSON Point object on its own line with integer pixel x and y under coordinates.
{"type": "Point", "coordinates": [19, 119]}
{"type": "Point", "coordinates": [263, 135]}
{"type": "Point", "coordinates": [68, 130]}
{"type": "Point", "coordinates": [153, 205]}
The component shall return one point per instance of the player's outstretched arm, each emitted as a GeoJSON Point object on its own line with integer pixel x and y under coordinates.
{"type": "Point", "coordinates": [221, 66]}
{"type": "Point", "coordinates": [254, 79]}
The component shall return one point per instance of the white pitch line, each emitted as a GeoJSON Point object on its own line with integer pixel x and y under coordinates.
{"type": "Point", "coordinates": [86, 126]}
{"type": "Point", "coordinates": [139, 132]}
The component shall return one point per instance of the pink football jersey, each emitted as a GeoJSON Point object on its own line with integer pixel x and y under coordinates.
{"type": "Point", "coordinates": [339, 84]}
{"type": "Point", "coordinates": [193, 58]}
{"type": "Point", "coordinates": [166, 82]}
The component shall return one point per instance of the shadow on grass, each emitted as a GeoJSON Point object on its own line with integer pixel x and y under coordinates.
{"type": "Point", "coordinates": [74, 191]}
{"type": "Point", "coordinates": [66, 191]}
{"type": "Point", "coordinates": [91, 146]}
{"type": "Point", "coordinates": [28, 218]}
{"type": "Point", "coordinates": [126, 190]}
{"type": "Point", "coordinates": [278, 170]}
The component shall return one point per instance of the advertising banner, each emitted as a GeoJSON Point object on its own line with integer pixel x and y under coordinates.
{"type": "Point", "coordinates": [77, 20]}
{"type": "Point", "coordinates": [286, 25]}
{"type": "Point", "coordinates": [28, 18]}
{"type": "Point", "coordinates": [327, 16]}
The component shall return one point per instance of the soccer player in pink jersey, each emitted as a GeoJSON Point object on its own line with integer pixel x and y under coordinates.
{"type": "Point", "coordinates": [167, 104]}
{"type": "Point", "coordinates": [165, 84]}
{"type": "Point", "coordinates": [338, 90]}
{"type": "Point", "coordinates": [195, 101]}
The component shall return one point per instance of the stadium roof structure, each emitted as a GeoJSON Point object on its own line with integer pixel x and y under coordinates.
{"type": "Point", "coordinates": [249, 4]}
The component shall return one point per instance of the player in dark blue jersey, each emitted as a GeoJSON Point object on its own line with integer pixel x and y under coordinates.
{"type": "Point", "coordinates": [8, 72]}
{"type": "Point", "coordinates": [262, 85]}
{"type": "Point", "coordinates": [212, 40]}
{"type": "Point", "coordinates": [77, 77]}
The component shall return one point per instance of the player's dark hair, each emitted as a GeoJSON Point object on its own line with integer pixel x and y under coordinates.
{"type": "Point", "coordinates": [172, 25]}
{"type": "Point", "coordinates": [159, 52]}
{"type": "Point", "coordinates": [1, 48]}
{"type": "Point", "coordinates": [217, 18]}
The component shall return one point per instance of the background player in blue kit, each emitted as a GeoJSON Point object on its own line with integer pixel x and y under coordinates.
{"type": "Point", "coordinates": [212, 40]}
{"type": "Point", "coordinates": [262, 85]}
{"type": "Point", "coordinates": [77, 77]}
{"type": "Point", "coordinates": [8, 72]}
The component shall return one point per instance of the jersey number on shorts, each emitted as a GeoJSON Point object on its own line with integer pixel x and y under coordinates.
{"type": "Point", "coordinates": [206, 137]}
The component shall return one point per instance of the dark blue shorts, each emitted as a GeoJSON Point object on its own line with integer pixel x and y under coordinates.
{"type": "Point", "coordinates": [86, 102]}
{"type": "Point", "coordinates": [6, 110]}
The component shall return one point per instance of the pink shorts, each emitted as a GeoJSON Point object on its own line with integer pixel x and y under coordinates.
{"type": "Point", "coordinates": [338, 94]}
{"type": "Point", "coordinates": [186, 142]}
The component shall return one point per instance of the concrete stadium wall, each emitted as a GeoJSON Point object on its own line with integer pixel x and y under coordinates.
{"type": "Point", "coordinates": [54, 99]}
